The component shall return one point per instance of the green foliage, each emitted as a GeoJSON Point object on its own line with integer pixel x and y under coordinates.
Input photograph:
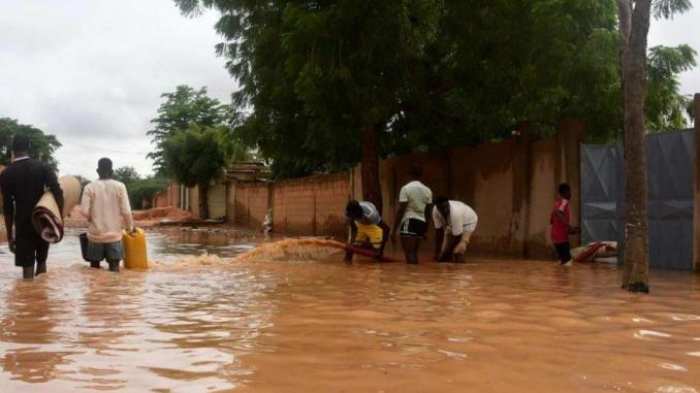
{"type": "Point", "coordinates": [668, 8]}
{"type": "Point", "coordinates": [139, 188]}
{"type": "Point", "coordinates": [500, 63]}
{"type": "Point", "coordinates": [145, 189]}
{"type": "Point", "coordinates": [666, 108]}
{"type": "Point", "coordinates": [126, 175]}
{"type": "Point", "coordinates": [317, 72]}
{"type": "Point", "coordinates": [42, 145]}
{"type": "Point", "coordinates": [182, 108]}
{"type": "Point", "coordinates": [197, 155]}
{"type": "Point", "coordinates": [427, 74]}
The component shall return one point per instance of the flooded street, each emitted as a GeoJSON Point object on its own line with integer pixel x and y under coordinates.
{"type": "Point", "coordinates": [207, 325]}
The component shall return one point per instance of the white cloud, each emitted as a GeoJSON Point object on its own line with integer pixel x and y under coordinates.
{"type": "Point", "coordinates": [92, 71]}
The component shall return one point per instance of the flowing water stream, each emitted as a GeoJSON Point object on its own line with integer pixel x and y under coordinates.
{"type": "Point", "coordinates": [208, 324]}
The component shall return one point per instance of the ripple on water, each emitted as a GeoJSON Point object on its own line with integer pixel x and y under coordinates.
{"type": "Point", "coordinates": [644, 334]}
{"type": "Point", "coordinates": [685, 317]}
{"type": "Point", "coordinates": [673, 367]}
{"type": "Point", "coordinates": [676, 389]}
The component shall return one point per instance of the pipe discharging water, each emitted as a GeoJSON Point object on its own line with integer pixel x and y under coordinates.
{"type": "Point", "coordinates": [309, 249]}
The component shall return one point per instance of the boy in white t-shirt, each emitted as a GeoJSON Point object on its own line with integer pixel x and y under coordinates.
{"type": "Point", "coordinates": [455, 222]}
{"type": "Point", "coordinates": [415, 202]}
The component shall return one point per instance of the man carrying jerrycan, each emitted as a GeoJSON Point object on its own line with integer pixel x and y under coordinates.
{"type": "Point", "coordinates": [106, 205]}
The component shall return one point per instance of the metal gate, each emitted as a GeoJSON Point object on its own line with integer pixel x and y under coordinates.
{"type": "Point", "coordinates": [670, 159]}
{"type": "Point", "coordinates": [601, 190]}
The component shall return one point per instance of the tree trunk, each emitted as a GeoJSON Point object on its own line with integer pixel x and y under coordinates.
{"type": "Point", "coordinates": [634, 58]}
{"type": "Point", "coordinates": [204, 201]}
{"type": "Point", "coordinates": [371, 188]}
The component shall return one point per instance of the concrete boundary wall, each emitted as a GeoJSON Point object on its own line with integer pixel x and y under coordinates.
{"type": "Point", "coordinates": [511, 184]}
{"type": "Point", "coordinates": [311, 206]}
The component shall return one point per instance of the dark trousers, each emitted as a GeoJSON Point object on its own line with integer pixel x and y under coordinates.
{"type": "Point", "coordinates": [563, 251]}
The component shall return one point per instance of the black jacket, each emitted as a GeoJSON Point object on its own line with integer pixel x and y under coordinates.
{"type": "Point", "coordinates": [22, 184]}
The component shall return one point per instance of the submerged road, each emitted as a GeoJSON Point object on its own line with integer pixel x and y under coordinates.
{"type": "Point", "coordinates": [205, 324]}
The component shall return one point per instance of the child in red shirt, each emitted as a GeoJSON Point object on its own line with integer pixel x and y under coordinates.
{"type": "Point", "coordinates": [561, 227]}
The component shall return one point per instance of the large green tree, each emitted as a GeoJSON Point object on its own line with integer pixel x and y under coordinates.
{"type": "Point", "coordinates": [499, 64]}
{"type": "Point", "coordinates": [43, 145]}
{"type": "Point", "coordinates": [333, 83]}
{"type": "Point", "coordinates": [180, 109]}
{"type": "Point", "coordinates": [197, 156]}
{"type": "Point", "coordinates": [323, 78]}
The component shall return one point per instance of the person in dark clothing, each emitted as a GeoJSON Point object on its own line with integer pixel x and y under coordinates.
{"type": "Point", "coordinates": [22, 184]}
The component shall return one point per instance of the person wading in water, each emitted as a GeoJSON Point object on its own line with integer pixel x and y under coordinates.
{"type": "Point", "coordinates": [106, 205]}
{"type": "Point", "coordinates": [22, 184]}
{"type": "Point", "coordinates": [415, 202]}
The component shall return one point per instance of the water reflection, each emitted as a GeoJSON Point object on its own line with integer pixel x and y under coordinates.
{"type": "Point", "coordinates": [110, 310]}
{"type": "Point", "coordinates": [27, 330]}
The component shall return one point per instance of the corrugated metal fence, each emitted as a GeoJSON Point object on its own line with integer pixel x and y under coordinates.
{"type": "Point", "coordinates": [670, 165]}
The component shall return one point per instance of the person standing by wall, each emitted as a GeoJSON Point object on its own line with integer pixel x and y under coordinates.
{"type": "Point", "coordinates": [106, 205]}
{"type": "Point", "coordinates": [560, 220]}
{"type": "Point", "coordinates": [22, 184]}
{"type": "Point", "coordinates": [415, 202]}
{"type": "Point", "coordinates": [455, 222]}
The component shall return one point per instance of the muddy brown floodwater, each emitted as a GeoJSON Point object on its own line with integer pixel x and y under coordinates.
{"type": "Point", "coordinates": [208, 325]}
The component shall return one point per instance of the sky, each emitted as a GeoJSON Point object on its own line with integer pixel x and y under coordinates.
{"type": "Point", "coordinates": [92, 71]}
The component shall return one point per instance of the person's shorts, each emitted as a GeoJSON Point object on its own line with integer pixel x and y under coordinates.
{"type": "Point", "coordinates": [372, 234]}
{"type": "Point", "coordinates": [96, 252]}
{"type": "Point", "coordinates": [30, 248]}
{"type": "Point", "coordinates": [470, 227]}
{"type": "Point", "coordinates": [413, 228]}
{"type": "Point", "coordinates": [563, 251]}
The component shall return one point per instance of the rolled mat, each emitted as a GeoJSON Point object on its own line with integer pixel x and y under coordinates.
{"type": "Point", "coordinates": [46, 217]}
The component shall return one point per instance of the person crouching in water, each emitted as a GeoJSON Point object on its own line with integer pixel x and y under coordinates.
{"type": "Point", "coordinates": [455, 222]}
{"type": "Point", "coordinates": [366, 228]}
{"type": "Point", "coordinates": [106, 205]}
{"type": "Point", "coordinates": [561, 228]}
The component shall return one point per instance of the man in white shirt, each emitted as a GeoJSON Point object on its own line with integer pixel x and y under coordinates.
{"type": "Point", "coordinates": [415, 201]}
{"type": "Point", "coordinates": [106, 204]}
{"type": "Point", "coordinates": [455, 222]}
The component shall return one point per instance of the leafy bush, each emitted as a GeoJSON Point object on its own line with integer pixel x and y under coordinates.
{"type": "Point", "coordinates": [147, 188]}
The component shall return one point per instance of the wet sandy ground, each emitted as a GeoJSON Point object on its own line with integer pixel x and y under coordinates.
{"type": "Point", "coordinates": [208, 325]}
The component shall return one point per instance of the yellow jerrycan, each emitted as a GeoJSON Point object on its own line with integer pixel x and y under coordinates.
{"type": "Point", "coordinates": [135, 255]}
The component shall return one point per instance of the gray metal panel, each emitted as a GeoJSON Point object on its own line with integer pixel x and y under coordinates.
{"type": "Point", "coordinates": [670, 163]}
{"type": "Point", "coordinates": [599, 192]}
{"type": "Point", "coordinates": [670, 159]}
